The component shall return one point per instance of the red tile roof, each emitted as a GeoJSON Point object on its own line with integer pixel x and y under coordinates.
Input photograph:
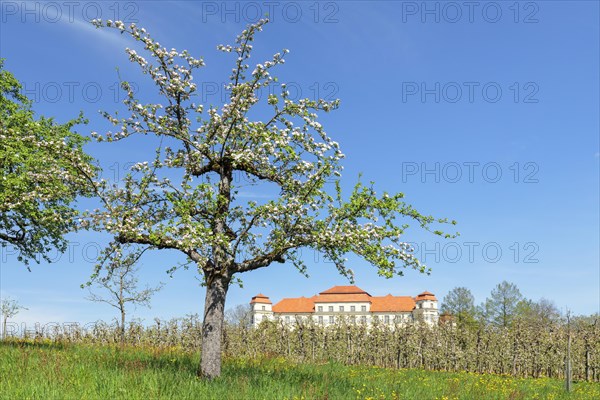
{"type": "Point", "coordinates": [295, 305]}
{"type": "Point", "coordinates": [260, 298]}
{"type": "Point", "coordinates": [346, 294]}
{"type": "Point", "coordinates": [445, 317]}
{"type": "Point", "coordinates": [344, 290]}
{"type": "Point", "coordinates": [343, 298]}
{"type": "Point", "coordinates": [391, 303]}
{"type": "Point", "coordinates": [426, 296]}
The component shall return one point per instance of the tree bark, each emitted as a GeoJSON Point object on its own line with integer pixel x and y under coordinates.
{"type": "Point", "coordinates": [587, 354]}
{"type": "Point", "coordinates": [122, 325]}
{"type": "Point", "coordinates": [122, 306]}
{"type": "Point", "coordinates": [212, 327]}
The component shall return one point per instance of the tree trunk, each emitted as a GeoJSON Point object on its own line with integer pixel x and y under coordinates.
{"type": "Point", "coordinates": [122, 325]}
{"type": "Point", "coordinates": [568, 370]}
{"type": "Point", "coordinates": [587, 364]}
{"type": "Point", "coordinates": [212, 327]}
{"type": "Point", "coordinates": [122, 305]}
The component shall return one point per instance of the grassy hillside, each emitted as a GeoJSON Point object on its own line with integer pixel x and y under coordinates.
{"type": "Point", "coordinates": [50, 371]}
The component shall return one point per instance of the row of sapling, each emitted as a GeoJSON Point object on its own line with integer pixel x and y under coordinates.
{"type": "Point", "coordinates": [522, 349]}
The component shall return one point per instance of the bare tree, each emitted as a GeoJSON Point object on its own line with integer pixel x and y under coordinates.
{"type": "Point", "coordinates": [542, 312]}
{"type": "Point", "coordinates": [240, 315]}
{"type": "Point", "coordinates": [9, 308]}
{"type": "Point", "coordinates": [122, 286]}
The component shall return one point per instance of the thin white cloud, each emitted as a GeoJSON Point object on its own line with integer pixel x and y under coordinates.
{"type": "Point", "coordinates": [67, 16]}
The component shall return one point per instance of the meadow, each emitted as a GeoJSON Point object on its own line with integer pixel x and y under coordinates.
{"type": "Point", "coordinates": [31, 369]}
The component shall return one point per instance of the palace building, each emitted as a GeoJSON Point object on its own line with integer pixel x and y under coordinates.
{"type": "Point", "coordinates": [349, 302]}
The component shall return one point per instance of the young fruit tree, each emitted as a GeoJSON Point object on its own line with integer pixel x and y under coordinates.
{"type": "Point", "coordinates": [44, 169]}
{"type": "Point", "coordinates": [186, 197]}
{"type": "Point", "coordinates": [121, 284]}
{"type": "Point", "coordinates": [8, 308]}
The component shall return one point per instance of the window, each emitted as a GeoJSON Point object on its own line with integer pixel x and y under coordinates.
{"type": "Point", "coordinates": [342, 308]}
{"type": "Point", "coordinates": [331, 319]}
{"type": "Point", "coordinates": [387, 319]}
{"type": "Point", "coordinates": [264, 308]}
{"type": "Point", "coordinates": [330, 308]}
{"type": "Point", "coordinates": [363, 308]}
{"type": "Point", "coordinates": [363, 319]}
{"type": "Point", "coordinates": [287, 319]}
{"type": "Point", "coordinates": [320, 319]}
{"type": "Point", "coordinates": [320, 308]}
{"type": "Point", "coordinates": [352, 308]}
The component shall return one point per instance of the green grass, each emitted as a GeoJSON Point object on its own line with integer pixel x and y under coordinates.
{"type": "Point", "coordinates": [46, 371]}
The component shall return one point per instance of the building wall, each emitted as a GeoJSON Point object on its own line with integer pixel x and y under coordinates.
{"type": "Point", "coordinates": [261, 312]}
{"type": "Point", "coordinates": [330, 313]}
{"type": "Point", "coordinates": [426, 311]}
{"type": "Point", "coordinates": [328, 318]}
{"type": "Point", "coordinates": [329, 308]}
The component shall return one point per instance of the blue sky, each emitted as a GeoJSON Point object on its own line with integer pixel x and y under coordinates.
{"type": "Point", "coordinates": [486, 115]}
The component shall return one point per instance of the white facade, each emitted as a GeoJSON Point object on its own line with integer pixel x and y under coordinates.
{"type": "Point", "coordinates": [349, 303]}
{"type": "Point", "coordinates": [426, 311]}
{"type": "Point", "coordinates": [262, 309]}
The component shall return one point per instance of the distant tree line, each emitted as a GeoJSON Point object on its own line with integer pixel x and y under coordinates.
{"type": "Point", "coordinates": [504, 307]}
